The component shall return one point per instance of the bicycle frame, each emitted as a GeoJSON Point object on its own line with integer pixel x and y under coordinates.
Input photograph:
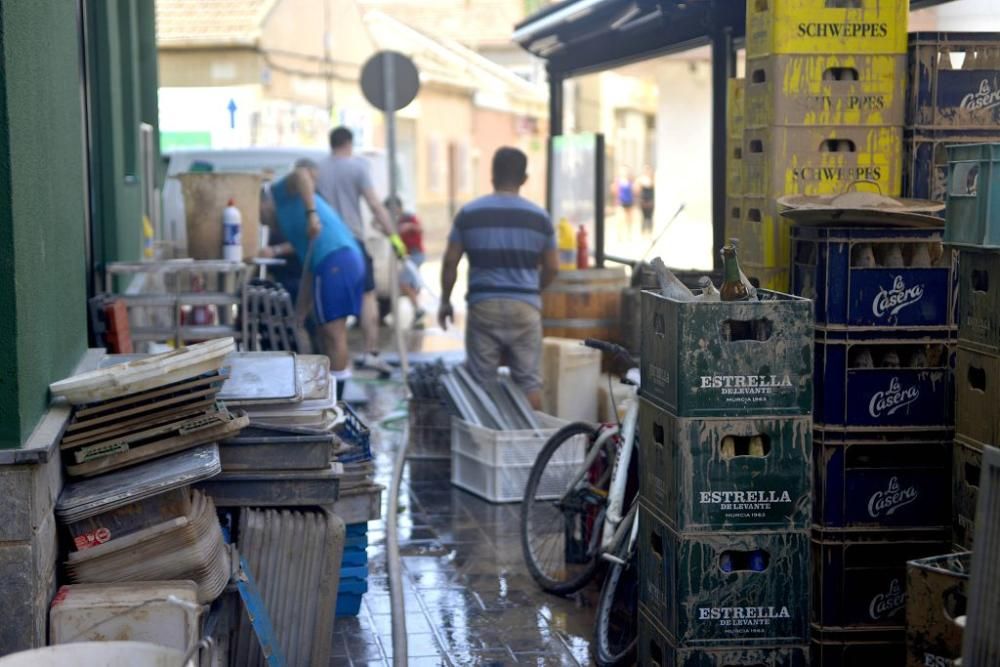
{"type": "Point", "coordinates": [619, 472]}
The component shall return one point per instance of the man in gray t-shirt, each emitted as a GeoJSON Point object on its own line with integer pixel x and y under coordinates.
{"type": "Point", "coordinates": [343, 180]}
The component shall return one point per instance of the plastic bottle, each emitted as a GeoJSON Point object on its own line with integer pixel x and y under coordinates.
{"type": "Point", "coordinates": [861, 357]}
{"type": "Point", "coordinates": [582, 249]}
{"type": "Point", "coordinates": [567, 246]}
{"type": "Point", "coordinates": [756, 446]}
{"type": "Point", "coordinates": [890, 360]}
{"type": "Point", "coordinates": [921, 258]}
{"type": "Point", "coordinates": [862, 256]}
{"type": "Point", "coordinates": [891, 256]}
{"type": "Point", "coordinates": [232, 237]}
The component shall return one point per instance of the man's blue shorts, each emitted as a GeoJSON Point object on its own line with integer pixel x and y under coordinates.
{"type": "Point", "coordinates": [338, 285]}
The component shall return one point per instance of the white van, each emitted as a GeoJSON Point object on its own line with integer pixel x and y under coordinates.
{"type": "Point", "coordinates": [274, 161]}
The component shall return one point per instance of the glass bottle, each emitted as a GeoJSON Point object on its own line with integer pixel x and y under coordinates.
{"type": "Point", "coordinates": [733, 288]}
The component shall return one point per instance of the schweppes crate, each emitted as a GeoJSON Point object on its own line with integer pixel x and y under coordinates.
{"type": "Point", "coordinates": [734, 216]}
{"type": "Point", "coordinates": [725, 474]}
{"type": "Point", "coordinates": [655, 648]}
{"type": "Point", "coordinates": [728, 358]}
{"type": "Point", "coordinates": [821, 160]}
{"type": "Point", "coordinates": [829, 89]}
{"type": "Point", "coordinates": [734, 167]}
{"type": "Point", "coordinates": [735, 105]}
{"type": "Point", "coordinates": [774, 279]}
{"type": "Point", "coordinates": [765, 239]}
{"type": "Point", "coordinates": [827, 26]}
{"type": "Point", "coordinates": [736, 588]}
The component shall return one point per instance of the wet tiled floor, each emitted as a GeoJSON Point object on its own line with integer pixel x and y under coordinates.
{"type": "Point", "coordinates": [469, 597]}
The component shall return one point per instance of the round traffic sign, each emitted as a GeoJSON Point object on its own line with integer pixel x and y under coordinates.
{"type": "Point", "coordinates": [401, 74]}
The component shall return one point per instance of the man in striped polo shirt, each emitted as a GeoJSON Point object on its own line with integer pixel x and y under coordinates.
{"type": "Point", "coordinates": [511, 247]}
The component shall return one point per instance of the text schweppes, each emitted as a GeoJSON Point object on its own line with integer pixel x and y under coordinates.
{"type": "Point", "coordinates": [849, 30]}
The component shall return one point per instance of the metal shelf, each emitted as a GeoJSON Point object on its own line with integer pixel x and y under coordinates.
{"type": "Point", "coordinates": [184, 299]}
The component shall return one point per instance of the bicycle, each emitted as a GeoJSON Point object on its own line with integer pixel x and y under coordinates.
{"type": "Point", "coordinates": [572, 518]}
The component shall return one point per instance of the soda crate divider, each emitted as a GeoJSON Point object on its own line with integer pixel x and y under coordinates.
{"type": "Point", "coordinates": [979, 300]}
{"type": "Point", "coordinates": [883, 384]}
{"type": "Point", "coordinates": [728, 359]}
{"type": "Point", "coordinates": [725, 474]}
{"type": "Point", "coordinates": [822, 26]}
{"type": "Point", "coordinates": [935, 596]}
{"type": "Point", "coordinates": [966, 469]}
{"type": "Point", "coordinates": [825, 89]}
{"type": "Point", "coordinates": [901, 482]}
{"type": "Point", "coordinates": [655, 648]}
{"type": "Point", "coordinates": [972, 207]}
{"type": "Point", "coordinates": [925, 159]}
{"type": "Point", "coordinates": [724, 588]}
{"type": "Point", "coordinates": [837, 647]}
{"type": "Point", "coordinates": [875, 278]}
{"type": "Point", "coordinates": [859, 577]}
{"type": "Point", "coordinates": [954, 80]}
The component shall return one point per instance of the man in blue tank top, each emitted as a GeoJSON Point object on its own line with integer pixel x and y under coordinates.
{"type": "Point", "coordinates": [510, 244]}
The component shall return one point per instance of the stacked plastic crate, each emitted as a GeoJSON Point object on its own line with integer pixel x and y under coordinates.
{"type": "Point", "coordinates": [725, 439]}
{"type": "Point", "coordinates": [972, 227]}
{"type": "Point", "coordinates": [824, 109]}
{"type": "Point", "coordinates": [356, 438]}
{"type": "Point", "coordinates": [735, 124]}
{"type": "Point", "coordinates": [883, 418]}
{"type": "Point", "coordinates": [953, 98]}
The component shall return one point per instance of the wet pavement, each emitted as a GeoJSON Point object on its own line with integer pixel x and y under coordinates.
{"type": "Point", "coordinates": [469, 597]}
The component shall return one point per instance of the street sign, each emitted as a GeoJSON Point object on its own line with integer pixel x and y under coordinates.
{"type": "Point", "coordinates": [394, 69]}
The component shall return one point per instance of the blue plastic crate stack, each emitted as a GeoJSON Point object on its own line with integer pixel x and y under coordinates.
{"type": "Point", "coordinates": [953, 98]}
{"type": "Point", "coordinates": [972, 226]}
{"type": "Point", "coordinates": [883, 419]}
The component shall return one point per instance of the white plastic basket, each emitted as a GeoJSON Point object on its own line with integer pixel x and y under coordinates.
{"type": "Point", "coordinates": [495, 465]}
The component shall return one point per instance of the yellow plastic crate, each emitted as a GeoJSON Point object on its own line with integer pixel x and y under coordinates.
{"type": "Point", "coordinates": [821, 160]}
{"type": "Point", "coordinates": [735, 101]}
{"type": "Point", "coordinates": [734, 167]}
{"type": "Point", "coordinates": [765, 236]}
{"type": "Point", "coordinates": [811, 90]}
{"type": "Point", "coordinates": [768, 277]}
{"type": "Point", "coordinates": [734, 217]}
{"type": "Point", "coordinates": [861, 27]}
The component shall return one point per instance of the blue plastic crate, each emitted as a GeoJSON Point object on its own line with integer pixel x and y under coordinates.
{"type": "Point", "coordinates": [357, 529]}
{"type": "Point", "coordinates": [972, 214]}
{"type": "Point", "coordinates": [915, 296]}
{"type": "Point", "coordinates": [354, 572]}
{"type": "Point", "coordinates": [901, 482]}
{"type": "Point", "coordinates": [352, 585]}
{"type": "Point", "coordinates": [348, 604]}
{"type": "Point", "coordinates": [915, 396]}
{"type": "Point", "coordinates": [356, 433]}
{"type": "Point", "coordinates": [354, 558]}
{"type": "Point", "coordinates": [925, 159]}
{"type": "Point", "coordinates": [951, 86]}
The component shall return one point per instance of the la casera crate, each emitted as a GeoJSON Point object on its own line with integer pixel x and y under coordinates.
{"type": "Point", "coordinates": [884, 383]}
{"type": "Point", "coordinates": [925, 159]}
{"type": "Point", "coordinates": [972, 206]}
{"type": "Point", "coordinates": [875, 278]}
{"type": "Point", "coordinates": [826, 26]}
{"type": "Point", "coordinates": [820, 160]}
{"type": "Point", "coordinates": [727, 359]}
{"type": "Point", "coordinates": [656, 650]}
{"type": "Point", "coordinates": [979, 300]}
{"type": "Point", "coordinates": [935, 597]}
{"type": "Point", "coordinates": [898, 483]}
{"type": "Point", "coordinates": [977, 391]}
{"type": "Point", "coordinates": [966, 468]}
{"type": "Point", "coordinates": [859, 578]}
{"type": "Point", "coordinates": [825, 89]}
{"type": "Point", "coordinates": [725, 474]}
{"type": "Point", "coordinates": [711, 588]}
{"type": "Point", "coordinates": [495, 465]}
{"type": "Point", "coordinates": [954, 80]}
{"type": "Point", "coordinates": [836, 647]}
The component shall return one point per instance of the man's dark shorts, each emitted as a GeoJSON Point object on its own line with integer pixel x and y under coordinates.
{"type": "Point", "coordinates": [369, 268]}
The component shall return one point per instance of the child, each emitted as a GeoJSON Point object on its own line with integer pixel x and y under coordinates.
{"type": "Point", "coordinates": [413, 238]}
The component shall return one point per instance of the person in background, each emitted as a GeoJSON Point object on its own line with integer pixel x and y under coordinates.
{"type": "Point", "coordinates": [622, 190]}
{"type": "Point", "coordinates": [318, 237]}
{"type": "Point", "coordinates": [343, 181]}
{"type": "Point", "coordinates": [413, 238]}
{"type": "Point", "coordinates": [645, 189]}
{"type": "Point", "coordinates": [511, 248]}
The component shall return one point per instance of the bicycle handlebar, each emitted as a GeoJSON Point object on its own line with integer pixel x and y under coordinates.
{"type": "Point", "coordinates": [613, 349]}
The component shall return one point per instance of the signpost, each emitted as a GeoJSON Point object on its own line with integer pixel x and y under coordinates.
{"type": "Point", "coordinates": [390, 81]}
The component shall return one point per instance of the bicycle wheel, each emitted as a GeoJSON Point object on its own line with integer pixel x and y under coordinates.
{"type": "Point", "coordinates": [616, 630]}
{"type": "Point", "coordinates": [563, 510]}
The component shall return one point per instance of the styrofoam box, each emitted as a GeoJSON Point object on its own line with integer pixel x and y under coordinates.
{"type": "Point", "coordinates": [570, 372]}
{"type": "Point", "coordinates": [137, 611]}
{"type": "Point", "coordinates": [495, 465]}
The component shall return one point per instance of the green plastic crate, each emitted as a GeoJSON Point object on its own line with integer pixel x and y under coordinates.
{"type": "Point", "coordinates": [972, 214]}
{"type": "Point", "coordinates": [728, 359]}
{"type": "Point", "coordinates": [692, 479]}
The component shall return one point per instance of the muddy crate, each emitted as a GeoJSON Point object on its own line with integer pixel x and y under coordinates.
{"type": "Point", "coordinates": [725, 474]}
{"type": "Point", "coordinates": [883, 384]}
{"type": "Point", "coordinates": [724, 588]}
{"type": "Point", "coordinates": [954, 80]}
{"type": "Point", "coordinates": [656, 650]}
{"type": "Point", "coordinates": [836, 647]}
{"type": "Point", "coordinates": [879, 279]}
{"type": "Point", "coordinates": [859, 577]}
{"type": "Point", "coordinates": [900, 481]}
{"type": "Point", "coordinates": [728, 359]}
{"type": "Point", "coordinates": [977, 395]}
{"type": "Point", "coordinates": [935, 597]}
{"type": "Point", "coordinates": [966, 468]}
{"type": "Point", "coordinates": [925, 158]}
{"type": "Point", "coordinates": [979, 300]}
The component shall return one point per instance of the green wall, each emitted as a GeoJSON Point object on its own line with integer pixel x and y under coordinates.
{"type": "Point", "coordinates": [43, 330]}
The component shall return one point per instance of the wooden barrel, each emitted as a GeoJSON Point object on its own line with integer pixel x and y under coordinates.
{"type": "Point", "coordinates": [584, 304]}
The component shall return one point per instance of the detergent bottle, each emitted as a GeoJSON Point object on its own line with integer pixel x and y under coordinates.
{"type": "Point", "coordinates": [567, 245]}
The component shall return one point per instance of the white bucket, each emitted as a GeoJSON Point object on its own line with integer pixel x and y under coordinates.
{"type": "Point", "coordinates": [98, 654]}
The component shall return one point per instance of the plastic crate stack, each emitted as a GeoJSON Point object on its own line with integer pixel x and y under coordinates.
{"type": "Point", "coordinates": [353, 570]}
{"type": "Point", "coordinates": [954, 85]}
{"type": "Point", "coordinates": [883, 418]}
{"type": "Point", "coordinates": [725, 438]}
{"type": "Point", "coordinates": [824, 109]}
{"type": "Point", "coordinates": [972, 226]}
{"type": "Point", "coordinates": [735, 125]}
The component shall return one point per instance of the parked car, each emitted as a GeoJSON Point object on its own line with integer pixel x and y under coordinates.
{"type": "Point", "coordinates": [274, 162]}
